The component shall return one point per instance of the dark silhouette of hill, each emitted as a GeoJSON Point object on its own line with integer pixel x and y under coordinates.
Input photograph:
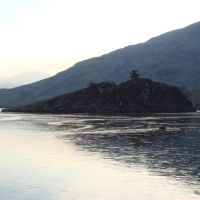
{"type": "Point", "coordinates": [137, 95]}
{"type": "Point", "coordinates": [173, 58]}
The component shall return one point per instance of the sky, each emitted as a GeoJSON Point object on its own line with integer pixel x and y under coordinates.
{"type": "Point", "coordinates": [52, 35]}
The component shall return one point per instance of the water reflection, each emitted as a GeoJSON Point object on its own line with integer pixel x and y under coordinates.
{"type": "Point", "coordinates": [58, 157]}
{"type": "Point", "coordinates": [136, 141]}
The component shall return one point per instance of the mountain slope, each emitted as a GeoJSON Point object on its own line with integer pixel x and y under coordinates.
{"type": "Point", "coordinates": [22, 79]}
{"type": "Point", "coordinates": [133, 96]}
{"type": "Point", "coordinates": [173, 58]}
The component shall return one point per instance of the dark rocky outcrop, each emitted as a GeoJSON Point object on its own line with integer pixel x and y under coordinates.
{"type": "Point", "coordinates": [134, 96]}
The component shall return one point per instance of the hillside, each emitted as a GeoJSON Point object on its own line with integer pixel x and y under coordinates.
{"type": "Point", "coordinates": [194, 97]}
{"type": "Point", "coordinates": [134, 96]}
{"type": "Point", "coordinates": [173, 58]}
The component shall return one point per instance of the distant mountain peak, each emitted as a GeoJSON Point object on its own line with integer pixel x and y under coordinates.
{"type": "Point", "coordinates": [23, 79]}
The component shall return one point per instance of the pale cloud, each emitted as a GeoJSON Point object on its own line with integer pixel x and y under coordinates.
{"type": "Point", "coordinates": [54, 34]}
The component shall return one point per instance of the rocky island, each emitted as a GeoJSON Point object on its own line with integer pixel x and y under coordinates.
{"type": "Point", "coordinates": [137, 95]}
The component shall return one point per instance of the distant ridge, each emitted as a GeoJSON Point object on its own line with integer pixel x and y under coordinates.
{"type": "Point", "coordinates": [22, 79]}
{"type": "Point", "coordinates": [173, 58]}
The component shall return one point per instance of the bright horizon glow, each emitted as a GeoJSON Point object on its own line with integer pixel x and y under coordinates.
{"type": "Point", "coordinates": [52, 35]}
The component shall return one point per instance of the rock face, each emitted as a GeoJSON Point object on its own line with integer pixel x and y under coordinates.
{"type": "Point", "coordinates": [134, 96]}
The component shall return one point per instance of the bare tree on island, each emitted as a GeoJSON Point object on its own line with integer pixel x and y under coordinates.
{"type": "Point", "coordinates": [134, 74]}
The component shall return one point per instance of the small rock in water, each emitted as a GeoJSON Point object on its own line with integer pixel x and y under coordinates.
{"type": "Point", "coordinates": [162, 128]}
